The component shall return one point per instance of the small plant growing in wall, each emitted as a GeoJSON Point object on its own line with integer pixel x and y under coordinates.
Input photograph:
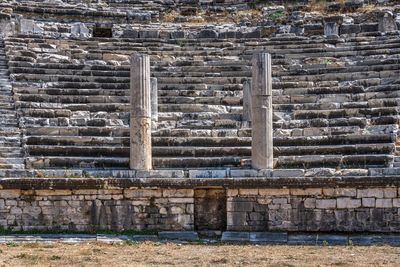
{"type": "Point", "coordinates": [276, 15]}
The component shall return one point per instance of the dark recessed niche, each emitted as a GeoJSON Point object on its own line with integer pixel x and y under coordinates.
{"type": "Point", "coordinates": [210, 211]}
{"type": "Point", "coordinates": [105, 32]}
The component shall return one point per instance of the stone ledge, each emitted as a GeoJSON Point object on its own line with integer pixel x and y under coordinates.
{"type": "Point", "coordinates": [180, 183]}
{"type": "Point", "coordinates": [251, 237]}
{"type": "Point", "coordinates": [311, 239]}
{"type": "Point", "coordinates": [178, 235]}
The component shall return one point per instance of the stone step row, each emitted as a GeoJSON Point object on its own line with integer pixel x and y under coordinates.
{"type": "Point", "coordinates": [213, 70]}
{"type": "Point", "coordinates": [295, 141]}
{"type": "Point", "coordinates": [304, 162]}
{"type": "Point", "coordinates": [386, 99]}
{"type": "Point", "coordinates": [282, 93]}
{"type": "Point", "coordinates": [120, 131]}
{"type": "Point", "coordinates": [198, 151]}
{"type": "Point", "coordinates": [283, 40]}
{"type": "Point", "coordinates": [209, 115]}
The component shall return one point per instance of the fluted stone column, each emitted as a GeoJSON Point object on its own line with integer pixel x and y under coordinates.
{"type": "Point", "coordinates": [247, 101]}
{"type": "Point", "coordinates": [261, 112]}
{"type": "Point", "coordinates": [154, 99]}
{"type": "Point", "coordinates": [140, 131]}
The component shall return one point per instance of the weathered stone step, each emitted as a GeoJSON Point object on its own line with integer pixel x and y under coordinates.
{"type": "Point", "coordinates": [12, 166]}
{"type": "Point", "coordinates": [193, 108]}
{"type": "Point", "coordinates": [106, 131]}
{"type": "Point", "coordinates": [105, 151]}
{"type": "Point", "coordinates": [76, 162]}
{"type": "Point", "coordinates": [198, 151]}
{"type": "Point", "coordinates": [344, 76]}
{"type": "Point", "coordinates": [76, 140]}
{"type": "Point", "coordinates": [278, 141]}
{"type": "Point", "coordinates": [201, 123]}
{"type": "Point", "coordinates": [337, 70]}
{"type": "Point", "coordinates": [156, 71]}
{"type": "Point", "coordinates": [69, 78]}
{"type": "Point", "coordinates": [198, 162]}
{"type": "Point", "coordinates": [71, 99]}
{"type": "Point", "coordinates": [63, 121]}
{"type": "Point", "coordinates": [29, 109]}
{"type": "Point", "coordinates": [212, 100]}
{"type": "Point", "coordinates": [200, 86]}
{"type": "Point", "coordinates": [198, 93]}
{"type": "Point", "coordinates": [336, 122]}
{"type": "Point", "coordinates": [70, 91]}
{"type": "Point", "coordinates": [334, 161]}
{"type": "Point", "coordinates": [345, 113]}
{"type": "Point", "coordinates": [12, 161]}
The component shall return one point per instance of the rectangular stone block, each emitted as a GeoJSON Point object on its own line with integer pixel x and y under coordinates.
{"type": "Point", "coordinates": [208, 174]}
{"type": "Point", "coordinates": [390, 192]}
{"type": "Point", "coordinates": [384, 203]}
{"type": "Point", "coordinates": [306, 192]}
{"type": "Point", "coordinates": [273, 192]}
{"type": "Point", "coordinates": [340, 192]}
{"type": "Point", "coordinates": [235, 236]}
{"type": "Point", "coordinates": [396, 202]}
{"type": "Point", "coordinates": [269, 237]}
{"type": "Point", "coordinates": [248, 192]}
{"type": "Point", "coordinates": [85, 192]}
{"type": "Point", "coordinates": [232, 192]}
{"type": "Point", "coordinates": [57, 192]}
{"type": "Point", "coordinates": [181, 200]}
{"type": "Point", "coordinates": [178, 192]}
{"type": "Point", "coordinates": [370, 192]}
{"type": "Point", "coordinates": [10, 193]}
{"type": "Point", "coordinates": [236, 219]}
{"type": "Point", "coordinates": [310, 203]}
{"type": "Point", "coordinates": [368, 202]}
{"type": "Point", "coordinates": [289, 173]}
{"type": "Point", "coordinates": [178, 235]}
{"type": "Point", "coordinates": [348, 203]}
{"type": "Point", "coordinates": [139, 193]}
{"type": "Point", "coordinates": [326, 203]}
{"type": "Point", "coordinates": [280, 201]}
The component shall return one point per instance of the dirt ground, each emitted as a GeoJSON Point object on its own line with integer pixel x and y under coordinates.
{"type": "Point", "coordinates": [159, 254]}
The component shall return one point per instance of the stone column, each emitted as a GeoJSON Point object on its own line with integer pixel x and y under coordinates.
{"type": "Point", "coordinates": [387, 22]}
{"type": "Point", "coordinates": [247, 101]}
{"type": "Point", "coordinates": [140, 123]}
{"type": "Point", "coordinates": [261, 112]}
{"type": "Point", "coordinates": [154, 99]}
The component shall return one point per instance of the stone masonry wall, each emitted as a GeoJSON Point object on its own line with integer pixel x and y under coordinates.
{"type": "Point", "coordinates": [374, 209]}
{"type": "Point", "coordinates": [314, 209]}
{"type": "Point", "coordinates": [88, 210]}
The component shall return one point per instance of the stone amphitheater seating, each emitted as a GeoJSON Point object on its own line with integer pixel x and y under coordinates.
{"type": "Point", "coordinates": [335, 101]}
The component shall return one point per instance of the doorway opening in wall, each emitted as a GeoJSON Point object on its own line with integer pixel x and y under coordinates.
{"type": "Point", "coordinates": [210, 212]}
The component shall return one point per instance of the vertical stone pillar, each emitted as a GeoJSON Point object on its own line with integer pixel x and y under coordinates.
{"type": "Point", "coordinates": [140, 123]}
{"type": "Point", "coordinates": [261, 112]}
{"type": "Point", "coordinates": [154, 99]}
{"type": "Point", "coordinates": [387, 22]}
{"type": "Point", "coordinates": [247, 101]}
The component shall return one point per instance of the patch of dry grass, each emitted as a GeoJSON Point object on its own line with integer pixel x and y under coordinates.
{"type": "Point", "coordinates": [156, 254]}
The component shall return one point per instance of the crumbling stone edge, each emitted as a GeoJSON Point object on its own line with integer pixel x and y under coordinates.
{"type": "Point", "coordinates": [179, 183]}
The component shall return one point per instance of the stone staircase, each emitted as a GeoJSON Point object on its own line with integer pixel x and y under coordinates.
{"type": "Point", "coordinates": [335, 102]}
{"type": "Point", "coordinates": [11, 153]}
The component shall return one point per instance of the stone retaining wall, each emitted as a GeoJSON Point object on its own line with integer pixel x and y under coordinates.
{"type": "Point", "coordinates": [314, 209]}
{"type": "Point", "coordinates": [298, 208]}
{"type": "Point", "coordinates": [92, 209]}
